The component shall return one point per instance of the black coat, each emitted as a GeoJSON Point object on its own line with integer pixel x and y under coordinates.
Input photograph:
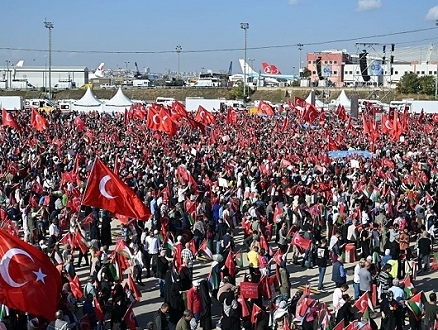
{"type": "Point", "coordinates": [205, 317]}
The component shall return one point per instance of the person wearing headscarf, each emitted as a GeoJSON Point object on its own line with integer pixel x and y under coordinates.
{"type": "Point", "coordinates": [231, 311]}
{"type": "Point", "coordinates": [176, 301]}
{"type": "Point", "coordinates": [205, 318]}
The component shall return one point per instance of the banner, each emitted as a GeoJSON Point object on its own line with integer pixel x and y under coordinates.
{"type": "Point", "coordinates": [327, 71]}
{"type": "Point", "coordinates": [249, 290]}
{"type": "Point", "coordinates": [376, 68]}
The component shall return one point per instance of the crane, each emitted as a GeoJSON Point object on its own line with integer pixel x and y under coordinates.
{"type": "Point", "coordinates": [137, 74]}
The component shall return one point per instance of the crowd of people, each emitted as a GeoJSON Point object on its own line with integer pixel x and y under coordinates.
{"type": "Point", "coordinates": [300, 193]}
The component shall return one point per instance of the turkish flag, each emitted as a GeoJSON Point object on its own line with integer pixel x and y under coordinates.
{"type": "Point", "coordinates": [362, 303]}
{"type": "Point", "coordinates": [183, 173]}
{"type": "Point", "coordinates": [278, 257]}
{"type": "Point", "coordinates": [332, 144]}
{"type": "Point", "coordinates": [310, 114]}
{"type": "Point", "coordinates": [107, 191]}
{"type": "Point", "coordinates": [229, 263]}
{"type": "Point", "coordinates": [167, 124]}
{"type": "Point", "coordinates": [196, 124]}
{"type": "Point", "coordinates": [340, 112]}
{"type": "Point", "coordinates": [299, 102]}
{"type": "Point", "coordinates": [28, 278]}
{"type": "Point", "coordinates": [139, 112]}
{"type": "Point", "coordinates": [435, 117]}
{"type": "Point", "coordinates": [129, 318]}
{"type": "Point", "coordinates": [133, 287]}
{"type": "Point", "coordinates": [366, 128]}
{"type": "Point", "coordinates": [285, 124]}
{"type": "Point", "coordinates": [386, 125]}
{"type": "Point", "coordinates": [89, 219]}
{"type": "Point", "coordinates": [75, 286]}
{"type": "Point", "coordinates": [231, 116]}
{"type": "Point", "coordinates": [301, 242]}
{"type": "Point", "coordinates": [177, 110]}
{"type": "Point", "coordinates": [265, 108]}
{"type": "Point", "coordinates": [154, 119]}
{"type": "Point", "coordinates": [99, 312]}
{"type": "Point", "coordinates": [388, 163]}
{"type": "Point", "coordinates": [242, 302]}
{"type": "Point", "coordinates": [322, 118]}
{"type": "Point", "coordinates": [126, 117]}
{"type": "Point", "coordinates": [421, 116]}
{"type": "Point", "coordinates": [80, 242]}
{"type": "Point", "coordinates": [38, 121]}
{"type": "Point", "coordinates": [85, 323]}
{"type": "Point", "coordinates": [256, 311]}
{"type": "Point", "coordinates": [80, 125]}
{"type": "Point", "coordinates": [204, 116]}
{"type": "Point", "coordinates": [9, 120]}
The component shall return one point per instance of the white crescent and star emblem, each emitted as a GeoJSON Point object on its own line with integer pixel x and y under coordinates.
{"type": "Point", "coordinates": [8, 116]}
{"type": "Point", "coordinates": [102, 188]}
{"type": "Point", "coordinates": [201, 113]}
{"type": "Point", "coordinates": [153, 119]}
{"type": "Point", "coordinates": [363, 304]}
{"type": "Point", "coordinates": [4, 268]}
{"type": "Point", "coordinates": [164, 119]}
{"type": "Point", "coordinates": [388, 124]}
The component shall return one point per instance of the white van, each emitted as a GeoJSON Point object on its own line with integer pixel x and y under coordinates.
{"type": "Point", "coordinates": [165, 101]}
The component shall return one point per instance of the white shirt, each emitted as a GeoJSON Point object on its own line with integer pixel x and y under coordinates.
{"type": "Point", "coordinates": [356, 278]}
{"type": "Point", "coordinates": [152, 244]}
{"type": "Point", "coordinates": [337, 299]}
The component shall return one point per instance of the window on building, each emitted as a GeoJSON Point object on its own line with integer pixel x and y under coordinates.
{"type": "Point", "coordinates": [430, 72]}
{"type": "Point", "coordinates": [310, 62]}
{"type": "Point", "coordinates": [314, 72]}
{"type": "Point", "coordinates": [422, 72]}
{"type": "Point", "coordinates": [335, 72]}
{"type": "Point", "coordinates": [330, 62]}
{"type": "Point", "coordinates": [325, 62]}
{"type": "Point", "coordinates": [386, 72]}
{"type": "Point", "coordinates": [357, 72]}
{"type": "Point", "coordinates": [351, 72]}
{"type": "Point", "coordinates": [335, 62]}
{"type": "Point", "coordinates": [434, 72]}
{"type": "Point", "coordinates": [395, 72]}
{"type": "Point", "coordinates": [346, 72]}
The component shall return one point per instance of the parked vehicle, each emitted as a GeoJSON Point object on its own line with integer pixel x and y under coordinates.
{"type": "Point", "coordinates": [12, 102]}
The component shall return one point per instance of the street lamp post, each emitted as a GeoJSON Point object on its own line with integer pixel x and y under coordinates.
{"type": "Point", "coordinates": [244, 27]}
{"type": "Point", "coordinates": [126, 65]}
{"type": "Point", "coordinates": [8, 75]}
{"type": "Point", "coordinates": [178, 52]}
{"type": "Point", "coordinates": [50, 26]}
{"type": "Point", "coordinates": [300, 47]}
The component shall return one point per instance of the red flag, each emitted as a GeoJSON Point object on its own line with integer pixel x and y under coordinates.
{"type": "Point", "coordinates": [38, 121]}
{"type": "Point", "coordinates": [133, 287]}
{"type": "Point", "coordinates": [421, 116]}
{"type": "Point", "coordinates": [196, 124]}
{"type": "Point", "coordinates": [363, 302]}
{"type": "Point", "coordinates": [229, 263]}
{"type": "Point", "coordinates": [332, 144]}
{"type": "Point", "coordinates": [9, 120]}
{"type": "Point", "coordinates": [322, 118]}
{"type": "Point", "coordinates": [340, 112]}
{"type": "Point", "coordinates": [80, 125]}
{"type": "Point", "coordinates": [366, 128]}
{"type": "Point", "coordinates": [242, 302]}
{"type": "Point", "coordinates": [85, 323]}
{"type": "Point", "coordinates": [310, 114]}
{"type": "Point", "coordinates": [299, 102]}
{"type": "Point", "coordinates": [285, 124]}
{"type": "Point", "coordinates": [352, 326]}
{"type": "Point", "coordinates": [126, 117]}
{"type": "Point", "coordinates": [129, 318]}
{"type": "Point", "coordinates": [75, 286]}
{"type": "Point", "coordinates": [231, 116]}
{"type": "Point", "coordinates": [349, 125]}
{"type": "Point", "coordinates": [99, 312]}
{"type": "Point", "coordinates": [265, 108]}
{"type": "Point", "coordinates": [28, 278]}
{"type": "Point", "coordinates": [107, 191]}
{"type": "Point", "coordinates": [80, 242]}
{"type": "Point", "coordinates": [435, 117]}
{"type": "Point", "coordinates": [178, 108]}
{"type": "Point", "coordinates": [154, 119]}
{"type": "Point", "coordinates": [301, 242]}
{"type": "Point", "coordinates": [388, 163]}
{"type": "Point", "coordinates": [278, 257]}
{"type": "Point", "coordinates": [204, 116]}
{"type": "Point", "coordinates": [387, 125]}
{"type": "Point", "coordinates": [256, 311]}
{"type": "Point", "coordinates": [183, 173]}
{"type": "Point", "coordinates": [339, 326]}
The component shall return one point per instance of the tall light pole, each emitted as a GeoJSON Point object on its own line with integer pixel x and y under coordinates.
{"type": "Point", "coordinates": [436, 77]}
{"type": "Point", "coordinates": [300, 47]}
{"type": "Point", "coordinates": [244, 27]}
{"type": "Point", "coordinates": [126, 65]}
{"type": "Point", "coordinates": [8, 75]}
{"type": "Point", "coordinates": [178, 52]}
{"type": "Point", "coordinates": [50, 26]}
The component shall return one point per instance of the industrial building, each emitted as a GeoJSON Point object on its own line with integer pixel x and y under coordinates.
{"type": "Point", "coordinates": [63, 77]}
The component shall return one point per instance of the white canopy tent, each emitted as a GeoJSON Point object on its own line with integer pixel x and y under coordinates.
{"type": "Point", "coordinates": [343, 100]}
{"type": "Point", "coordinates": [119, 102]}
{"type": "Point", "coordinates": [88, 102]}
{"type": "Point", "coordinates": [318, 103]}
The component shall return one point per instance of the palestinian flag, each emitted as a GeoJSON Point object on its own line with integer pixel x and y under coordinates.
{"type": "Point", "coordinates": [168, 244]}
{"type": "Point", "coordinates": [205, 249]}
{"type": "Point", "coordinates": [239, 258]}
{"type": "Point", "coordinates": [407, 286]}
{"type": "Point", "coordinates": [213, 278]}
{"type": "Point", "coordinates": [366, 314]}
{"type": "Point", "coordinates": [375, 194]}
{"type": "Point", "coordinates": [366, 191]}
{"type": "Point", "coordinates": [416, 306]}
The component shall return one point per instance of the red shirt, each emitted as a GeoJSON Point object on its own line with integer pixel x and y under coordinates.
{"type": "Point", "coordinates": [194, 301]}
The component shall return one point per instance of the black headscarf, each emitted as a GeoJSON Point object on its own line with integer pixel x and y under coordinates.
{"type": "Point", "coordinates": [205, 317]}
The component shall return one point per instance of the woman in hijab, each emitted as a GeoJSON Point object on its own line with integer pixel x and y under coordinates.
{"type": "Point", "coordinates": [231, 311]}
{"type": "Point", "coordinates": [205, 317]}
{"type": "Point", "coordinates": [176, 302]}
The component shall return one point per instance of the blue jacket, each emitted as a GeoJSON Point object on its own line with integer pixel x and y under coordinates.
{"type": "Point", "coordinates": [339, 275]}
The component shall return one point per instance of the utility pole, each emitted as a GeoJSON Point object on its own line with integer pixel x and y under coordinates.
{"type": "Point", "coordinates": [244, 27]}
{"type": "Point", "coordinates": [300, 48]}
{"type": "Point", "coordinates": [50, 26]}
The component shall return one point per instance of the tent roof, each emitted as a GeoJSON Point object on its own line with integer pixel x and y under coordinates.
{"type": "Point", "coordinates": [88, 100]}
{"type": "Point", "coordinates": [119, 100]}
{"type": "Point", "coordinates": [318, 103]}
{"type": "Point", "coordinates": [343, 99]}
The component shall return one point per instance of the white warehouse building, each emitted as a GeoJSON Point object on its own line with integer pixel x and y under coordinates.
{"type": "Point", "coordinates": [63, 77]}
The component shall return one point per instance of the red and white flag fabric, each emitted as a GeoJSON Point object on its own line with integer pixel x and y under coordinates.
{"type": "Point", "coordinates": [363, 303]}
{"type": "Point", "coordinates": [301, 242]}
{"type": "Point", "coordinates": [184, 174]}
{"type": "Point", "coordinates": [38, 121]}
{"type": "Point", "coordinates": [107, 191]}
{"type": "Point", "coordinates": [133, 287]}
{"type": "Point", "coordinates": [204, 116]}
{"type": "Point", "coordinates": [256, 312]}
{"type": "Point", "coordinates": [80, 125]}
{"type": "Point", "coordinates": [28, 278]}
{"type": "Point", "coordinates": [98, 309]}
{"type": "Point", "coordinates": [265, 108]}
{"type": "Point", "coordinates": [76, 287]}
{"type": "Point", "coordinates": [310, 114]}
{"type": "Point", "coordinates": [129, 318]}
{"type": "Point", "coordinates": [9, 120]}
{"type": "Point", "coordinates": [299, 102]}
{"type": "Point", "coordinates": [231, 116]}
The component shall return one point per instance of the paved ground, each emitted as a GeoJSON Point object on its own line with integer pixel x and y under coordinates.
{"type": "Point", "coordinates": [151, 302]}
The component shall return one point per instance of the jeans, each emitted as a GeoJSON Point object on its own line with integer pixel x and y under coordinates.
{"type": "Point", "coordinates": [425, 260]}
{"type": "Point", "coordinates": [356, 287]}
{"type": "Point", "coordinates": [198, 241]}
{"type": "Point", "coordinates": [161, 284]}
{"type": "Point", "coordinates": [321, 277]}
{"type": "Point", "coordinates": [281, 297]}
{"type": "Point", "coordinates": [218, 247]}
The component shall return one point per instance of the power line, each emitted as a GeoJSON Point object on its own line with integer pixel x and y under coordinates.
{"type": "Point", "coordinates": [221, 49]}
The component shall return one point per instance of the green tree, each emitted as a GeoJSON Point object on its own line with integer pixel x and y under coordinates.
{"type": "Point", "coordinates": [427, 85]}
{"type": "Point", "coordinates": [306, 73]}
{"type": "Point", "coordinates": [236, 93]}
{"type": "Point", "coordinates": [409, 84]}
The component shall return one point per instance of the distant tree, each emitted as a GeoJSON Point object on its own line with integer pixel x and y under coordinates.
{"type": "Point", "coordinates": [295, 83]}
{"type": "Point", "coordinates": [236, 93]}
{"type": "Point", "coordinates": [306, 73]}
{"type": "Point", "coordinates": [409, 84]}
{"type": "Point", "coordinates": [427, 85]}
